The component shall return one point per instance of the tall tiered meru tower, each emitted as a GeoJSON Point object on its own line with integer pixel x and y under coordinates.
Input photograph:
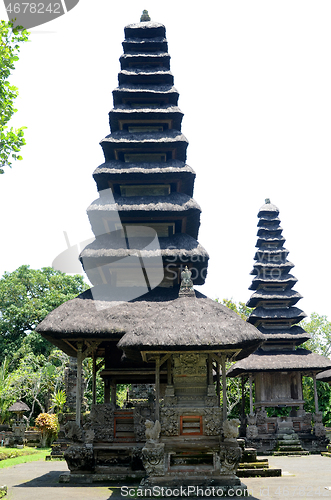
{"type": "Point", "coordinates": [278, 365]}
{"type": "Point", "coordinates": [144, 180]}
{"type": "Point", "coordinates": [142, 321]}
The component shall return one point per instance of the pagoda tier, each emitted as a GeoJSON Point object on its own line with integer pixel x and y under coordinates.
{"type": "Point", "coordinates": [274, 298]}
{"type": "Point", "coordinates": [276, 316]}
{"type": "Point", "coordinates": [144, 181]}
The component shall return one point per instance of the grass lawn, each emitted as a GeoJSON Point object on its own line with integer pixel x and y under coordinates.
{"type": "Point", "coordinates": [14, 456]}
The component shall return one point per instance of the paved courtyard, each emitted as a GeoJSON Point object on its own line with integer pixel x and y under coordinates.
{"type": "Point", "coordinates": [304, 478]}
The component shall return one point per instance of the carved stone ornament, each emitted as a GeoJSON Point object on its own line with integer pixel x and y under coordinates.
{"type": "Point", "coordinates": [139, 425]}
{"type": "Point", "coordinates": [189, 364]}
{"type": "Point", "coordinates": [230, 457]}
{"type": "Point", "coordinates": [319, 429]}
{"type": "Point", "coordinates": [169, 422]}
{"type": "Point", "coordinates": [79, 458]}
{"type": "Point", "coordinates": [153, 460]}
{"type": "Point", "coordinates": [152, 432]}
{"type": "Point", "coordinates": [101, 421]}
{"type": "Point", "coordinates": [73, 432]}
{"type": "Point", "coordinates": [186, 285]}
{"type": "Point", "coordinates": [261, 416]}
{"type": "Point", "coordinates": [212, 420]}
{"type": "Point", "coordinates": [251, 430]}
{"type": "Point", "coordinates": [230, 429]}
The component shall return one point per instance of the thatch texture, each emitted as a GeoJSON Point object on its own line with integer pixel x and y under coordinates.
{"type": "Point", "coordinates": [285, 279]}
{"type": "Point", "coordinates": [170, 204]}
{"type": "Point", "coordinates": [114, 246]}
{"type": "Point", "coordinates": [324, 376]}
{"type": "Point", "coordinates": [280, 360]}
{"type": "Point", "coordinates": [268, 211]}
{"type": "Point", "coordinates": [190, 323]}
{"type": "Point", "coordinates": [293, 333]}
{"type": "Point", "coordinates": [148, 29]}
{"type": "Point", "coordinates": [122, 137]}
{"type": "Point", "coordinates": [157, 320]}
{"type": "Point", "coordinates": [139, 77]}
{"type": "Point", "coordinates": [19, 406]}
{"type": "Point", "coordinates": [167, 112]}
{"type": "Point", "coordinates": [289, 296]}
{"type": "Point", "coordinates": [293, 314]}
{"type": "Point", "coordinates": [155, 58]}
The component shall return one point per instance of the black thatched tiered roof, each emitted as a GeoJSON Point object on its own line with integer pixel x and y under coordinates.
{"type": "Point", "coordinates": [275, 314]}
{"type": "Point", "coordinates": [158, 320]}
{"type": "Point", "coordinates": [145, 183]}
{"type": "Point", "coordinates": [145, 166]}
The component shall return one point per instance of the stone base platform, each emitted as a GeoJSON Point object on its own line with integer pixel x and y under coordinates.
{"type": "Point", "coordinates": [260, 468]}
{"type": "Point", "coordinates": [86, 478]}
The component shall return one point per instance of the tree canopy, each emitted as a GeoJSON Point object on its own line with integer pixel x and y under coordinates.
{"type": "Point", "coordinates": [31, 368]}
{"type": "Point", "coordinates": [26, 297]}
{"type": "Point", "coordinates": [320, 330]}
{"type": "Point", "coordinates": [11, 140]}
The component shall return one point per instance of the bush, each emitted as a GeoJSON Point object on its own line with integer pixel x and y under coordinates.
{"type": "Point", "coordinates": [48, 426]}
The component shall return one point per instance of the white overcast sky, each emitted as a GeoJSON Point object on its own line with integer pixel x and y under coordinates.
{"type": "Point", "coordinates": [254, 79]}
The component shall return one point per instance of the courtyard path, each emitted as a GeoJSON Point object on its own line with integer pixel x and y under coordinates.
{"type": "Point", "coordinates": [304, 478]}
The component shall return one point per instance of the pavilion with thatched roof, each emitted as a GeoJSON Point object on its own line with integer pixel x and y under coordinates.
{"type": "Point", "coordinates": [142, 322]}
{"type": "Point", "coordinates": [277, 367]}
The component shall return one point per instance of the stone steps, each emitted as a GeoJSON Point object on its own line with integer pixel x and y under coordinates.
{"type": "Point", "coordinates": [298, 453]}
{"type": "Point", "coordinates": [254, 465]}
{"type": "Point", "coordinates": [263, 472]}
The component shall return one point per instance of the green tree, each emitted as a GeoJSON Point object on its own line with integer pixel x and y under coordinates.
{"type": "Point", "coordinates": [26, 297]}
{"type": "Point", "coordinates": [11, 140]}
{"type": "Point", "coordinates": [241, 309]}
{"type": "Point", "coordinates": [320, 330]}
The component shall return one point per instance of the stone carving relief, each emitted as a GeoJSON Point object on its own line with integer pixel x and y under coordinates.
{"type": "Point", "coordinates": [230, 429]}
{"type": "Point", "coordinates": [261, 421]}
{"type": "Point", "coordinates": [73, 432]}
{"type": "Point", "coordinates": [153, 456]}
{"type": "Point", "coordinates": [212, 421]}
{"type": "Point", "coordinates": [152, 432]}
{"type": "Point", "coordinates": [153, 460]}
{"type": "Point", "coordinates": [169, 422]}
{"type": "Point", "coordinates": [251, 430]}
{"type": "Point", "coordinates": [230, 457]}
{"type": "Point", "coordinates": [319, 429]}
{"type": "Point", "coordinates": [189, 364]}
{"type": "Point", "coordinates": [79, 458]}
{"type": "Point", "coordinates": [139, 425]}
{"type": "Point", "coordinates": [101, 421]}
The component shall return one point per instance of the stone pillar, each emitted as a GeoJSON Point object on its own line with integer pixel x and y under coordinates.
{"type": "Point", "coordinates": [225, 412]}
{"type": "Point", "coordinates": [157, 388]}
{"type": "Point", "coordinates": [113, 392]}
{"type": "Point", "coordinates": [218, 384]}
{"type": "Point", "coordinates": [106, 391]}
{"type": "Point", "coordinates": [251, 394]}
{"type": "Point", "coordinates": [79, 382]}
{"type": "Point", "coordinates": [169, 374]}
{"type": "Point", "coordinates": [315, 393]}
{"type": "Point", "coordinates": [94, 379]}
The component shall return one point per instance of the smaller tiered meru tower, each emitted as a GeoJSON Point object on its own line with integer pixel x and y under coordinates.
{"type": "Point", "coordinates": [278, 365]}
{"type": "Point", "coordinates": [144, 182]}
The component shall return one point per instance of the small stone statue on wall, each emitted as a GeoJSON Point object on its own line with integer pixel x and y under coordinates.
{"type": "Point", "coordinates": [152, 431]}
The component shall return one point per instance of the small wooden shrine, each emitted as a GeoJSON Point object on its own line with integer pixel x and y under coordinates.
{"type": "Point", "coordinates": [277, 367]}
{"type": "Point", "coordinates": [142, 322]}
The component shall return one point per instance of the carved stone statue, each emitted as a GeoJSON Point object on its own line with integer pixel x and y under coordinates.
{"type": "Point", "coordinates": [152, 454]}
{"type": "Point", "coordinates": [319, 429]}
{"type": "Point", "coordinates": [230, 429]}
{"type": "Point", "coordinates": [152, 431]}
{"type": "Point", "coordinates": [186, 286]}
{"type": "Point", "coordinates": [252, 430]}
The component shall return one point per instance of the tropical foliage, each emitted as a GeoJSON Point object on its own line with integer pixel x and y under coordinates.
{"type": "Point", "coordinates": [32, 369]}
{"type": "Point", "coordinates": [11, 140]}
